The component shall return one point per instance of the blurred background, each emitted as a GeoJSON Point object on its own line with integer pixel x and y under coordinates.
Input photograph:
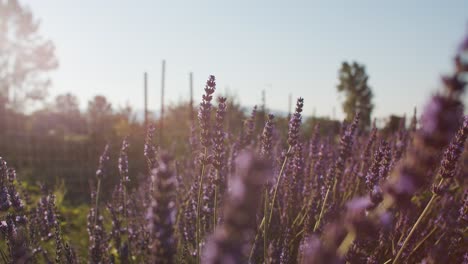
{"type": "Point", "coordinates": [75, 75]}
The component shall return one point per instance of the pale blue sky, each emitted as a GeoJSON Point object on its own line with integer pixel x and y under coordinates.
{"type": "Point", "coordinates": [282, 46]}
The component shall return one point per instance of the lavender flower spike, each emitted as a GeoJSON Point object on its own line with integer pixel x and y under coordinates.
{"type": "Point", "coordinates": [226, 245]}
{"type": "Point", "coordinates": [295, 123]}
{"type": "Point", "coordinates": [453, 152]}
{"type": "Point", "coordinates": [267, 138]}
{"type": "Point", "coordinates": [204, 112]}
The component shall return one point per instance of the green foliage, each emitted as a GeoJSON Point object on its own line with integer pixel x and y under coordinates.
{"type": "Point", "coordinates": [393, 124]}
{"type": "Point", "coordinates": [99, 115]}
{"type": "Point", "coordinates": [25, 56]}
{"type": "Point", "coordinates": [327, 126]}
{"type": "Point", "coordinates": [74, 218]}
{"type": "Point", "coordinates": [353, 83]}
{"type": "Point", "coordinates": [59, 145]}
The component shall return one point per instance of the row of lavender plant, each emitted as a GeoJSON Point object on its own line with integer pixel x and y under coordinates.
{"type": "Point", "coordinates": [357, 197]}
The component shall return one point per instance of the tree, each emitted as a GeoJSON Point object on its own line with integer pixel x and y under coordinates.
{"type": "Point", "coordinates": [25, 56]}
{"type": "Point", "coordinates": [100, 116]}
{"type": "Point", "coordinates": [327, 126]}
{"type": "Point", "coordinates": [124, 121]}
{"type": "Point", "coordinates": [393, 124]}
{"type": "Point", "coordinates": [68, 112]}
{"type": "Point", "coordinates": [67, 104]}
{"type": "Point", "coordinates": [353, 83]}
{"type": "Point", "coordinates": [99, 107]}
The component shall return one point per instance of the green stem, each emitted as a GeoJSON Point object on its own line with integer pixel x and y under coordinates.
{"type": "Point", "coordinates": [423, 240]}
{"type": "Point", "coordinates": [355, 189]}
{"type": "Point", "coordinates": [125, 204]}
{"type": "Point", "coordinates": [346, 244]}
{"type": "Point", "coordinates": [440, 237]}
{"type": "Point", "coordinates": [300, 215]}
{"type": "Point", "coordinates": [198, 225]}
{"type": "Point", "coordinates": [215, 202]}
{"type": "Point", "coordinates": [265, 243]}
{"type": "Point", "coordinates": [335, 186]}
{"type": "Point", "coordinates": [307, 210]}
{"type": "Point", "coordinates": [300, 233]}
{"type": "Point", "coordinates": [97, 201]}
{"type": "Point", "coordinates": [125, 214]}
{"type": "Point", "coordinates": [276, 187]}
{"type": "Point", "coordinates": [260, 228]}
{"type": "Point", "coordinates": [421, 216]}
{"type": "Point", "coordinates": [297, 236]}
{"type": "Point", "coordinates": [264, 223]}
{"type": "Point", "coordinates": [317, 224]}
{"type": "Point", "coordinates": [402, 235]}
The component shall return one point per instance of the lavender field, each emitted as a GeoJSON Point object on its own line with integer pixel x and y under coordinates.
{"type": "Point", "coordinates": [210, 181]}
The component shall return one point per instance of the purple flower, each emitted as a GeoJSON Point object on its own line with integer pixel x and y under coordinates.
{"type": "Point", "coordinates": [162, 212]}
{"type": "Point", "coordinates": [453, 152]}
{"type": "Point", "coordinates": [226, 245]}
{"type": "Point", "coordinates": [150, 149]}
{"type": "Point", "coordinates": [219, 136]}
{"type": "Point", "coordinates": [103, 163]}
{"type": "Point", "coordinates": [249, 128]}
{"type": "Point", "coordinates": [204, 112]}
{"type": "Point", "coordinates": [123, 162]}
{"type": "Point", "coordinates": [295, 123]}
{"type": "Point", "coordinates": [267, 138]}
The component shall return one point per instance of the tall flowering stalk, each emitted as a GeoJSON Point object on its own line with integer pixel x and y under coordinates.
{"type": "Point", "coordinates": [267, 138]}
{"type": "Point", "coordinates": [346, 144]}
{"type": "Point", "coordinates": [249, 129]}
{"type": "Point", "coordinates": [266, 149]}
{"type": "Point", "coordinates": [293, 138]}
{"type": "Point", "coordinates": [116, 232]}
{"type": "Point", "coordinates": [446, 172]}
{"type": "Point", "coordinates": [226, 245]}
{"type": "Point", "coordinates": [377, 172]}
{"type": "Point", "coordinates": [295, 123]}
{"type": "Point", "coordinates": [366, 155]}
{"type": "Point", "coordinates": [124, 176]}
{"type": "Point", "coordinates": [13, 224]}
{"type": "Point", "coordinates": [297, 179]}
{"type": "Point", "coordinates": [204, 116]}
{"type": "Point", "coordinates": [58, 243]}
{"type": "Point", "coordinates": [123, 196]}
{"type": "Point", "coordinates": [70, 254]}
{"type": "Point", "coordinates": [335, 173]}
{"type": "Point", "coordinates": [100, 174]}
{"type": "Point", "coordinates": [372, 176]}
{"type": "Point", "coordinates": [313, 148]}
{"type": "Point", "coordinates": [97, 240]}
{"type": "Point", "coordinates": [219, 155]}
{"type": "Point", "coordinates": [163, 212]}
{"type": "Point", "coordinates": [149, 148]}
{"type": "Point", "coordinates": [453, 153]}
{"type": "Point", "coordinates": [16, 202]}
{"type": "Point", "coordinates": [123, 163]}
{"type": "Point", "coordinates": [5, 202]}
{"type": "Point", "coordinates": [385, 163]}
{"type": "Point", "coordinates": [438, 124]}
{"type": "Point", "coordinates": [204, 112]}
{"type": "Point", "coordinates": [16, 241]}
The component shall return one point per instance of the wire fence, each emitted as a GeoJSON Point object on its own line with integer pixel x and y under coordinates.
{"type": "Point", "coordinates": [51, 157]}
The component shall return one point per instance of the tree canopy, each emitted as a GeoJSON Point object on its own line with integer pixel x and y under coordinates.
{"type": "Point", "coordinates": [353, 83]}
{"type": "Point", "coordinates": [25, 56]}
